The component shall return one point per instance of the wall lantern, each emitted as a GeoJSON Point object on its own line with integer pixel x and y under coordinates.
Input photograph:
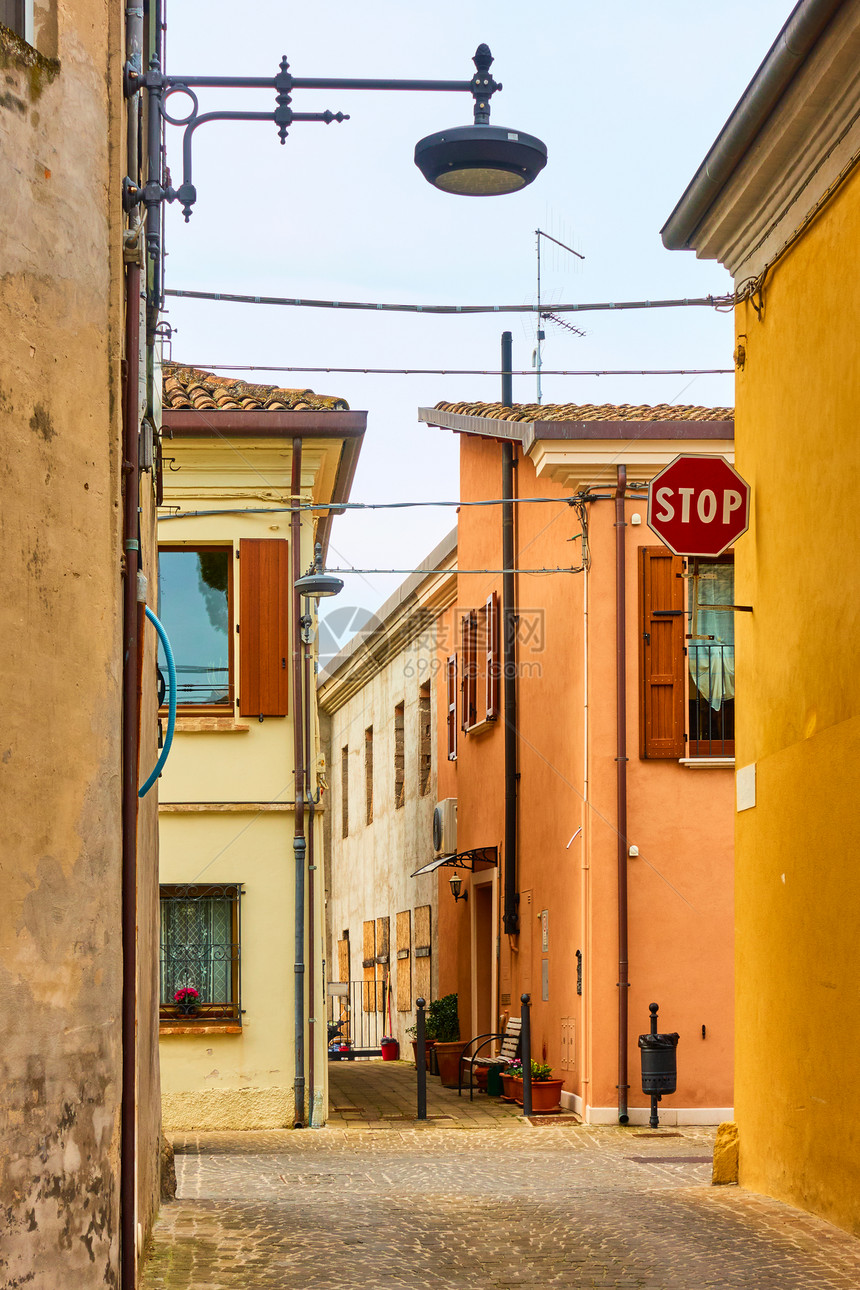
{"type": "Point", "coordinates": [316, 583]}
{"type": "Point", "coordinates": [456, 883]}
{"type": "Point", "coordinates": [479, 160]}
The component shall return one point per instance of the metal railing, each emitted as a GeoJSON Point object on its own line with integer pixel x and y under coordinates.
{"type": "Point", "coordinates": [360, 1008]}
{"type": "Point", "coordinates": [711, 700]}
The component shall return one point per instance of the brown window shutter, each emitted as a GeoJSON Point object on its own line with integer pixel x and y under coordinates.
{"type": "Point", "coordinates": [264, 627]}
{"type": "Point", "coordinates": [452, 706]}
{"type": "Point", "coordinates": [492, 614]}
{"type": "Point", "coordinates": [661, 653]}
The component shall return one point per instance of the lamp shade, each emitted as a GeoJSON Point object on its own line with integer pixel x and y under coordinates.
{"type": "Point", "coordinates": [480, 160]}
{"type": "Point", "coordinates": [317, 585]}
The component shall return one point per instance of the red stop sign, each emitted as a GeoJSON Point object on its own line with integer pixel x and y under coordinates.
{"type": "Point", "coordinates": [698, 505]}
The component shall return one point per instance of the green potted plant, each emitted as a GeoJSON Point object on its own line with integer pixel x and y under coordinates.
{"type": "Point", "coordinates": [546, 1091]}
{"type": "Point", "coordinates": [443, 1025]}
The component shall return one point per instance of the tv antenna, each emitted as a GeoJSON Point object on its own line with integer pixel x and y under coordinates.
{"type": "Point", "coordinates": [542, 317]}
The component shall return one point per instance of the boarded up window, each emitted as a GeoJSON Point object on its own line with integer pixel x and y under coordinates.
{"type": "Point", "coordinates": [344, 792]}
{"type": "Point", "coordinates": [661, 653]}
{"type": "Point", "coordinates": [343, 959]}
{"type": "Point", "coordinates": [451, 674]}
{"type": "Point", "coordinates": [399, 756]}
{"type": "Point", "coordinates": [383, 965]}
{"type": "Point", "coordinates": [403, 933]}
{"type": "Point", "coordinates": [421, 953]}
{"type": "Point", "coordinates": [368, 963]}
{"type": "Point", "coordinates": [425, 742]}
{"type": "Point", "coordinates": [264, 641]}
{"type": "Point", "coordinates": [368, 775]}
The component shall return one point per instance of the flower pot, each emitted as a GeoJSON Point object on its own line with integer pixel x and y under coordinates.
{"type": "Point", "coordinates": [509, 1087]}
{"type": "Point", "coordinates": [390, 1049]}
{"type": "Point", "coordinates": [428, 1044]}
{"type": "Point", "coordinates": [546, 1095]}
{"type": "Point", "coordinates": [447, 1061]}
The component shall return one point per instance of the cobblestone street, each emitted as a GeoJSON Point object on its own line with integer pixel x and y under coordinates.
{"type": "Point", "coordinates": [483, 1199]}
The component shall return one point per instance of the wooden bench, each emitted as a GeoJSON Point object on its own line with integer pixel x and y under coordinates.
{"type": "Point", "coordinates": [509, 1051]}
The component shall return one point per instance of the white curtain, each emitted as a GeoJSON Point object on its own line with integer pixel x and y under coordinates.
{"type": "Point", "coordinates": [712, 662]}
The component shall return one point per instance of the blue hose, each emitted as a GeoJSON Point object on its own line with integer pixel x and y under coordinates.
{"type": "Point", "coordinates": [171, 702]}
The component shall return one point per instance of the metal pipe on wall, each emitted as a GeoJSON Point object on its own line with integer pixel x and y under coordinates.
{"type": "Point", "coordinates": [299, 844]}
{"type": "Point", "coordinates": [510, 916]}
{"type": "Point", "coordinates": [130, 758]}
{"type": "Point", "coordinates": [621, 782]}
{"type": "Point", "coordinates": [311, 954]}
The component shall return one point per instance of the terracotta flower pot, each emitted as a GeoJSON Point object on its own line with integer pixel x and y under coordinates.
{"type": "Point", "coordinates": [509, 1087]}
{"type": "Point", "coordinates": [546, 1095]}
{"type": "Point", "coordinates": [447, 1060]}
{"type": "Point", "coordinates": [428, 1044]}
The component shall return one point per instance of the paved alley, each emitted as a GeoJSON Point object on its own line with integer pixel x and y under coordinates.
{"type": "Point", "coordinates": [462, 1202]}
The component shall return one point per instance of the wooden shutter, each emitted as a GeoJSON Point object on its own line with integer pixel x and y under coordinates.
{"type": "Point", "coordinates": [469, 714]}
{"type": "Point", "coordinates": [661, 653]}
{"type": "Point", "coordinates": [492, 646]}
{"type": "Point", "coordinates": [451, 673]}
{"type": "Point", "coordinates": [264, 627]}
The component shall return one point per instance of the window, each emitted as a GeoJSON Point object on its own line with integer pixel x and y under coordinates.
{"type": "Point", "coordinates": [425, 740]}
{"type": "Point", "coordinates": [481, 669]}
{"type": "Point", "coordinates": [195, 602]}
{"type": "Point", "coordinates": [368, 775]}
{"type": "Point", "coordinates": [344, 792]}
{"type": "Point", "coordinates": [195, 596]}
{"type": "Point", "coordinates": [17, 15]}
{"type": "Point", "coordinates": [451, 681]}
{"type": "Point", "coordinates": [200, 951]}
{"type": "Point", "coordinates": [687, 673]}
{"type": "Point", "coordinates": [711, 658]}
{"type": "Point", "coordinates": [399, 757]}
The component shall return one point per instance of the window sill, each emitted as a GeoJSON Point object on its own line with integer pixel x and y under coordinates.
{"type": "Point", "coordinates": [189, 1028]}
{"type": "Point", "coordinates": [707, 763]}
{"type": "Point", "coordinates": [188, 725]}
{"type": "Point", "coordinates": [481, 727]}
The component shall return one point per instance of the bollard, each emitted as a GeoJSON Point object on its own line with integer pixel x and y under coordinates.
{"type": "Point", "coordinates": [526, 1053]}
{"type": "Point", "coordinates": [420, 1060]}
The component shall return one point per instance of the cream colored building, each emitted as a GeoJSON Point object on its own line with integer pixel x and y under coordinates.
{"type": "Point", "coordinates": [378, 704]}
{"type": "Point", "coordinates": [252, 1053]}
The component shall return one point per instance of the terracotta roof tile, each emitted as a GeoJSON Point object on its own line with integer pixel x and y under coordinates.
{"type": "Point", "coordinates": [588, 412]}
{"type": "Point", "coordinates": [189, 387]}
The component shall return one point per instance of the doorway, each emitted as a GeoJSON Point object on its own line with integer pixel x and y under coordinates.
{"type": "Point", "coordinates": [483, 956]}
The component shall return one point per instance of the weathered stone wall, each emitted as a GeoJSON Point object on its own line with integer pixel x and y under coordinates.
{"type": "Point", "coordinates": [61, 326]}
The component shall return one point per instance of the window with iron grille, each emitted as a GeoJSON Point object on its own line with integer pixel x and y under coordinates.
{"type": "Point", "coordinates": [200, 937]}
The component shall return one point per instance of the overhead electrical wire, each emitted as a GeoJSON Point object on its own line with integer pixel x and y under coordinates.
{"type": "Point", "coordinates": [572, 500]}
{"type": "Point", "coordinates": [467, 371]}
{"type": "Point", "coordinates": [710, 302]}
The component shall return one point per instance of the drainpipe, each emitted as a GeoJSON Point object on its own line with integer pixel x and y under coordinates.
{"type": "Point", "coordinates": [299, 844]}
{"type": "Point", "coordinates": [510, 917]}
{"type": "Point", "coordinates": [312, 976]}
{"type": "Point", "coordinates": [130, 754]}
{"type": "Point", "coordinates": [621, 774]}
{"type": "Point", "coordinates": [133, 594]}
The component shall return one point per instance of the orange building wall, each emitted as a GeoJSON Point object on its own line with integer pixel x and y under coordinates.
{"type": "Point", "coordinates": [680, 887]}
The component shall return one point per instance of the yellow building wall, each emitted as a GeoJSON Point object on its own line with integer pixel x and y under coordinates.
{"type": "Point", "coordinates": [241, 1080]}
{"type": "Point", "coordinates": [798, 925]}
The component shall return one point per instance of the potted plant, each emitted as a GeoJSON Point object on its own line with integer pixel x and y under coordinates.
{"type": "Point", "coordinates": [512, 1078]}
{"type": "Point", "coordinates": [187, 1001]}
{"type": "Point", "coordinates": [412, 1032]}
{"type": "Point", "coordinates": [546, 1091]}
{"type": "Point", "coordinates": [443, 1024]}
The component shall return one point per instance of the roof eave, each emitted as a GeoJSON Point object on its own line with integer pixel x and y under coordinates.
{"type": "Point", "coordinates": [795, 41]}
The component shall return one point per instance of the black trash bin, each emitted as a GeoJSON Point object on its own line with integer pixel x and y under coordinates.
{"type": "Point", "coordinates": [659, 1063]}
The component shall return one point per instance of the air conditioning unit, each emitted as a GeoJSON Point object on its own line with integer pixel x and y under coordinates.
{"type": "Point", "coordinates": [445, 827]}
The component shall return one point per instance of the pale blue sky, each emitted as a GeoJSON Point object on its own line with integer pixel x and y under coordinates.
{"type": "Point", "coordinates": [627, 96]}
